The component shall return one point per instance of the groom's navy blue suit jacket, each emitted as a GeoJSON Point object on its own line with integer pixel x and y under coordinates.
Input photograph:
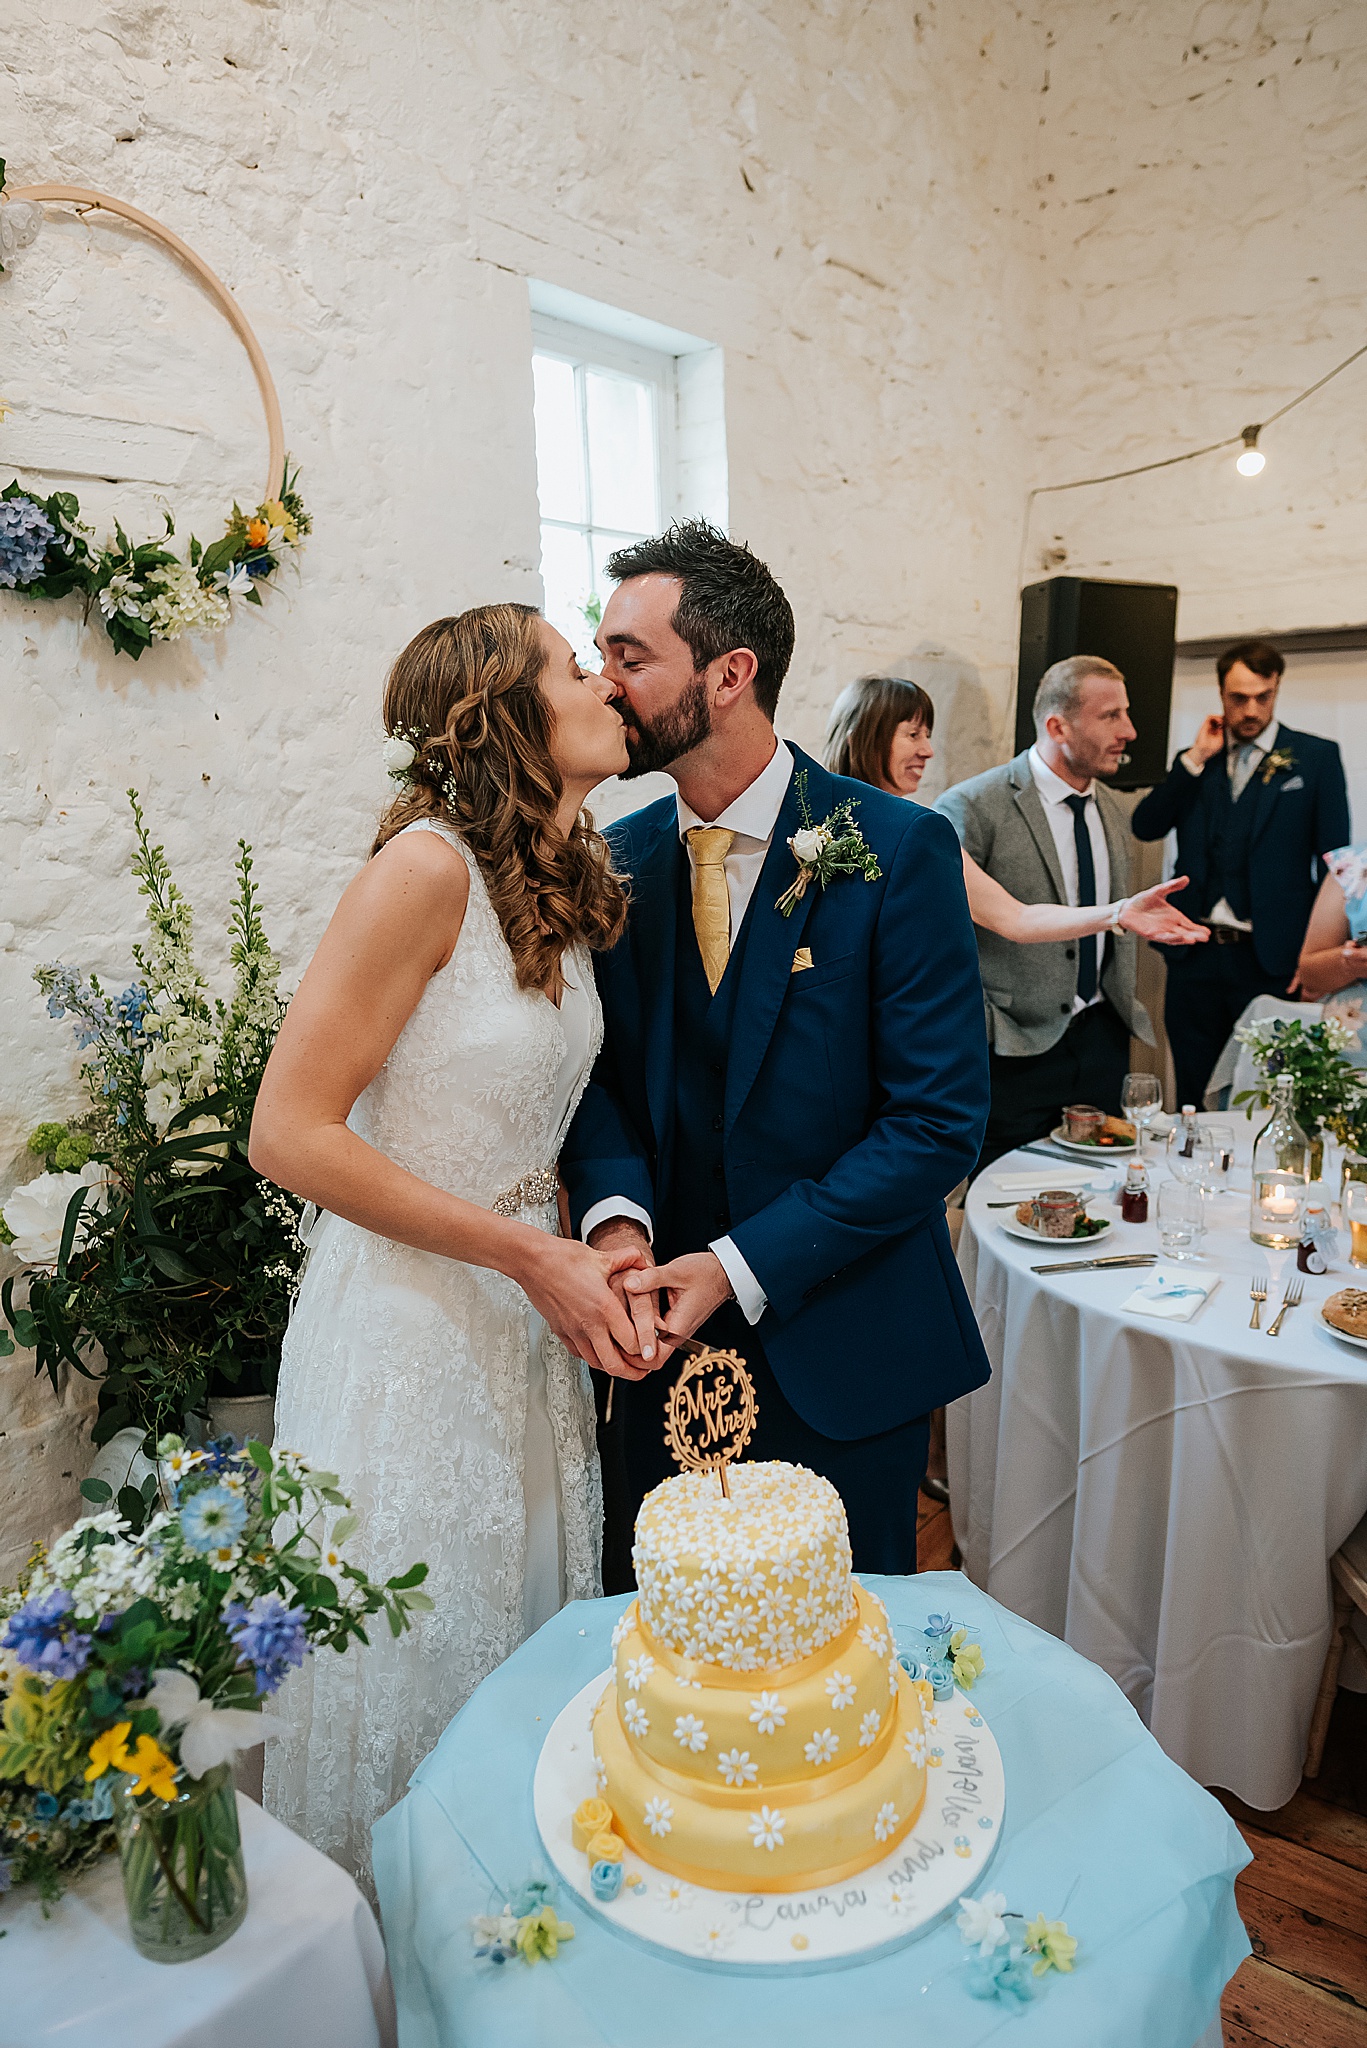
{"type": "Point", "coordinates": [856, 1094]}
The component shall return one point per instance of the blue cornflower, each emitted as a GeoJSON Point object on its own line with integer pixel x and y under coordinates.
{"type": "Point", "coordinates": [220, 1454]}
{"type": "Point", "coordinates": [213, 1519]}
{"type": "Point", "coordinates": [45, 1806]}
{"type": "Point", "coordinates": [43, 1639]}
{"type": "Point", "coordinates": [79, 1813]}
{"type": "Point", "coordinates": [269, 1636]}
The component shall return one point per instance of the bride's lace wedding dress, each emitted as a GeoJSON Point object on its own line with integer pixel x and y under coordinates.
{"type": "Point", "coordinates": [461, 1428]}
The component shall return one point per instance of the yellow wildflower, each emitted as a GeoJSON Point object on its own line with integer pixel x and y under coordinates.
{"type": "Point", "coordinates": [278, 516]}
{"type": "Point", "coordinates": [109, 1748]}
{"type": "Point", "coordinates": [968, 1659]}
{"type": "Point", "coordinates": [152, 1768]}
{"type": "Point", "coordinates": [540, 1934]}
{"type": "Point", "coordinates": [1053, 1944]}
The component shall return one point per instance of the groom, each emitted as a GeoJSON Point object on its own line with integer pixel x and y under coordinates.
{"type": "Point", "coordinates": [782, 1103]}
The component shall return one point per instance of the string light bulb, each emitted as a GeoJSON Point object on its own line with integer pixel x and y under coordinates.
{"type": "Point", "coordinates": [1251, 458]}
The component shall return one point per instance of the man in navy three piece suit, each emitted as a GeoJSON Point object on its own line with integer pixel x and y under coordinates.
{"type": "Point", "coordinates": [782, 1103]}
{"type": "Point", "coordinates": [1255, 806]}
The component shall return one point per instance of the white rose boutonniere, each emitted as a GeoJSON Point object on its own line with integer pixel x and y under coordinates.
{"type": "Point", "coordinates": [834, 847]}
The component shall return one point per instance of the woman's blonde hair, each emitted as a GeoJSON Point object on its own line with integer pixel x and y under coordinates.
{"type": "Point", "coordinates": [467, 693]}
{"type": "Point", "coordinates": [863, 720]}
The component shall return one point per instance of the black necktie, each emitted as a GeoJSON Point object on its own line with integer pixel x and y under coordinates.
{"type": "Point", "coordinates": [1086, 893]}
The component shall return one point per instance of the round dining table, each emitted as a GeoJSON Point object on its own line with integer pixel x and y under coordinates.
{"type": "Point", "coordinates": [1163, 1496]}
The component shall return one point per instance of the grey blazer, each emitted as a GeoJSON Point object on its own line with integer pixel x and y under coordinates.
{"type": "Point", "coordinates": [1029, 990]}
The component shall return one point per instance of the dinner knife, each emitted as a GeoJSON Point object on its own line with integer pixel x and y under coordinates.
{"type": "Point", "coordinates": [1092, 1265]}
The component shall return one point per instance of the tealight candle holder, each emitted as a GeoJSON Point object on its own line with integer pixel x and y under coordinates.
{"type": "Point", "coordinates": [1274, 1216]}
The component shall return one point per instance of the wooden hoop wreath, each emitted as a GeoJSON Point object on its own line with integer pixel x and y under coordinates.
{"type": "Point", "coordinates": [86, 201]}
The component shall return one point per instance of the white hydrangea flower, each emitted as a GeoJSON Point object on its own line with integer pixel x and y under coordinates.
{"type": "Point", "coordinates": [887, 1822]}
{"type": "Point", "coordinates": [659, 1816]}
{"type": "Point", "coordinates": [768, 1712]}
{"type": "Point", "coordinates": [822, 1746]}
{"type": "Point", "coordinates": [636, 1718]}
{"type": "Point", "coordinates": [182, 1601]}
{"type": "Point", "coordinates": [639, 1670]}
{"type": "Point", "coordinates": [766, 1828]}
{"type": "Point", "coordinates": [840, 1686]}
{"type": "Point", "coordinates": [690, 1733]}
{"type": "Point", "coordinates": [869, 1727]}
{"type": "Point", "coordinates": [736, 1767]}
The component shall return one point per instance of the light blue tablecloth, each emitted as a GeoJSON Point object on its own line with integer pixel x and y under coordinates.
{"type": "Point", "coordinates": [1096, 1816]}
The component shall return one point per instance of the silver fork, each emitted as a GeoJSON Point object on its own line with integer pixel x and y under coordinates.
{"type": "Point", "coordinates": [1257, 1294]}
{"type": "Point", "coordinates": [1295, 1288]}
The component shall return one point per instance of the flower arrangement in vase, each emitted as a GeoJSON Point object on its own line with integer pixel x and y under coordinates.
{"type": "Point", "coordinates": [149, 1235]}
{"type": "Point", "coordinates": [1328, 1092]}
{"type": "Point", "coordinates": [137, 1663]}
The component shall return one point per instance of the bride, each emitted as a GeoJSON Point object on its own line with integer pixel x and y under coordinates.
{"type": "Point", "coordinates": [418, 1093]}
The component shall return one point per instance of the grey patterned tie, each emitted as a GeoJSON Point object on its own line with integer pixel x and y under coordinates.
{"type": "Point", "coordinates": [1241, 763]}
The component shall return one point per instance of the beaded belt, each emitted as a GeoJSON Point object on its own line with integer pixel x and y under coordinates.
{"type": "Point", "coordinates": [533, 1191]}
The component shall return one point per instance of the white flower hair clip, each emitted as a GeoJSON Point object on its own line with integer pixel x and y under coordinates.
{"type": "Point", "coordinates": [399, 753]}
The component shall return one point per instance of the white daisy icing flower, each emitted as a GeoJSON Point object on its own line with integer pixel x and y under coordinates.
{"type": "Point", "coordinates": [869, 1727]}
{"type": "Point", "coordinates": [822, 1746]}
{"type": "Point", "coordinates": [675, 1896]}
{"type": "Point", "coordinates": [659, 1816]}
{"type": "Point", "coordinates": [600, 1774]}
{"type": "Point", "coordinates": [786, 1567]}
{"type": "Point", "coordinates": [713, 1936]}
{"type": "Point", "coordinates": [768, 1713]}
{"type": "Point", "coordinates": [887, 1822]}
{"type": "Point", "coordinates": [736, 1767]}
{"type": "Point", "coordinates": [639, 1670]}
{"type": "Point", "coordinates": [690, 1733]}
{"type": "Point", "coordinates": [766, 1828]}
{"type": "Point", "coordinates": [874, 1639]}
{"type": "Point", "coordinates": [915, 1745]}
{"type": "Point", "coordinates": [636, 1718]}
{"type": "Point", "coordinates": [841, 1689]}
{"type": "Point", "coordinates": [625, 1623]}
{"type": "Point", "coordinates": [897, 1899]}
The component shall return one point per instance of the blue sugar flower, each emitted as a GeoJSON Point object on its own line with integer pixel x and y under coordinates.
{"type": "Point", "coordinates": [25, 535]}
{"type": "Point", "coordinates": [213, 1519]}
{"type": "Point", "coordinates": [269, 1636]}
{"type": "Point", "coordinates": [43, 1639]}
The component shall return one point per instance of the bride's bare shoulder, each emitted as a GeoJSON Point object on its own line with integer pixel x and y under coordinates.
{"type": "Point", "coordinates": [416, 889]}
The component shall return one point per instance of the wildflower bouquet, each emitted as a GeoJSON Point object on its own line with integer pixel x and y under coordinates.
{"type": "Point", "coordinates": [149, 1234]}
{"type": "Point", "coordinates": [138, 1662]}
{"type": "Point", "coordinates": [1330, 1093]}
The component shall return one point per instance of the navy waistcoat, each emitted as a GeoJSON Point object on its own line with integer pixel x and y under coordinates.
{"type": "Point", "coordinates": [1229, 827]}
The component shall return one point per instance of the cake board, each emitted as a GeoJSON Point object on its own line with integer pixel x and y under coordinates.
{"type": "Point", "coordinates": [944, 1856]}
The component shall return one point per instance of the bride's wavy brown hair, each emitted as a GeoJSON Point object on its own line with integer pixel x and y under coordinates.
{"type": "Point", "coordinates": [467, 693]}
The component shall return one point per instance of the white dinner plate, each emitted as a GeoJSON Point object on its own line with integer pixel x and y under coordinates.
{"type": "Point", "coordinates": [1093, 1151]}
{"type": "Point", "coordinates": [1344, 1336]}
{"type": "Point", "coordinates": [1015, 1229]}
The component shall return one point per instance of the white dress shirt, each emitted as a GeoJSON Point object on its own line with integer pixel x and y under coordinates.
{"type": "Point", "coordinates": [752, 817]}
{"type": "Point", "coordinates": [1241, 764]}
{"type": "Point", "coordinates": [1054, 793]}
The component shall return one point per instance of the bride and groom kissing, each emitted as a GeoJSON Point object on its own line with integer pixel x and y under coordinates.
{"type": "Point", "coordinates": [749, 1101]}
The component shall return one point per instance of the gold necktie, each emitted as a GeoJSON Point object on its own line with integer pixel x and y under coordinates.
{"type": "Point", "coordinates": [711, 902]}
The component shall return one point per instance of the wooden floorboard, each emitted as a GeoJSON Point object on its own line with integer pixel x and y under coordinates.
{"type": "Point", "coordinates": [934, 1536]}
{"type": "Point", "coordinates": [1267, 2005]}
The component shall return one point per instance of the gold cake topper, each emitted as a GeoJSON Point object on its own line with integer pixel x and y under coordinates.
{"type": "Point", "coordinates": [710, 1413]}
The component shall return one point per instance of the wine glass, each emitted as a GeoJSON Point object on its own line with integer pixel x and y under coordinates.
{"type": "Point", "coordinates": [1141, 1096]}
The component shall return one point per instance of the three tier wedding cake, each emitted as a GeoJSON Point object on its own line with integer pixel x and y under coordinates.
{"type": "Point", "coordinates": [758, 1733]}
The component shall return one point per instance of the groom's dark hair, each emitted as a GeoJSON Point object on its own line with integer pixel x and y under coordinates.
{"type": "Point", "coordinates": [729, 599]}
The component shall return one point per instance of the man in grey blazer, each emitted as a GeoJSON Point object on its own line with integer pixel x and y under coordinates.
{"type": "Point", "coordinates": [1059, 1017]}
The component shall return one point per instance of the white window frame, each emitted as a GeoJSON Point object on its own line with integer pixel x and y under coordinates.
{"type": "Point", "coordinates": [585, 350]}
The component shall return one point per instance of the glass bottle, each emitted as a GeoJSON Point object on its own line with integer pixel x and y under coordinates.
{"type": "Point", "coordinates": [1187, 1147]}
{"type": "Point", "coordinates": [1281, 1174]}
{"type": "Point", "coordinates": [1310, 1256]}
{"type": "Point", "coordinates": [1134, 1196]}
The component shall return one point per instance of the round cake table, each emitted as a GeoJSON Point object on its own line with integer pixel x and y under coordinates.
{"type": "Point", "coordinates": [1164, 1495]}
{"type": "Point", "coordinates": [1100, 1829]}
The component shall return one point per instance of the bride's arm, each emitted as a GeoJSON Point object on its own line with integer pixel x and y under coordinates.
{"type": "Point", "coordinates": [1149, 914]}
{"type": "Point", "coordinates": [396, 925]}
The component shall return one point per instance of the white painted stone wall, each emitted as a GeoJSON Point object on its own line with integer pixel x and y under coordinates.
{"type": "Point", "coordinates": [886, 217]}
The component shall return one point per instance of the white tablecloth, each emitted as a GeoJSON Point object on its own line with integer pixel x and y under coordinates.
{"type": "Point", "coordinates": [1163, 1496]}
{"type": "Point", "coordinates": [306, 1966]}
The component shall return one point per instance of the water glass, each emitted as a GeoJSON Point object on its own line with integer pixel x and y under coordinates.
{"type": "Point", "coordinates": [1214, 1157]}
{"type": "Point", "coordinates": [1355, 1218]}
{"type": "Point", "coordinates": [1181, 1218]}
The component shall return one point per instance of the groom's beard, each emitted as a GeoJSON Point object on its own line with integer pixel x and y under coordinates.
{"type": "Point", "coordinates": [684, 726]}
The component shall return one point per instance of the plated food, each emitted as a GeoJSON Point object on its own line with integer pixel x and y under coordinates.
{"type": "Point", "coordinates": [1346, 1314]}
{"type": "Point", "coordinates": [1112, 1134]}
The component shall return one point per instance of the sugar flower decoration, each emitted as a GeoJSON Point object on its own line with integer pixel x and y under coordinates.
{"type": "Point", "coordinates": [766, 1828]}
{"type": "Point", "coordinates": [1052, 1943]}
{"type": "Point", "coordinates": [822, 1747]}
{"type": "Point", "coordinates": [841, 1690]}
{"type": "Point", "coordinates": [967, 1659]}
{"type": "Point", "coordinates": [768, 1713]}
{"type": "Point", "coordinates": [981, 1921]}
{"type": "Point", "coordinates": [736, 1767]}
{"type": "Point", "coordinates": [659, 1816]}
{"type": "Point", "coordinates": [690, 1733]}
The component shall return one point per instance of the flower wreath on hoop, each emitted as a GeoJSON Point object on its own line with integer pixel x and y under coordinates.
{"type": "Point", "coordinates": [143, 590]}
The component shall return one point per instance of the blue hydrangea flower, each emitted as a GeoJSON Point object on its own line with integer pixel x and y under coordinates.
{"type": "Point", "coordinates": [213, 1519]}
{"type": "Point", "coordinates": [43, 1639]}
{"type": "Point", "coordinates": [25, 535]}
{"type": "Point", "coordinates": [269, 1636]}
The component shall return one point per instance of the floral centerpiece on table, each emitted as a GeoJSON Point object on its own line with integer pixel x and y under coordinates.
{"type": "Point", "coordinates": [1329, 1092]}
{"type": "Point", "coordinates": [150, 1235]}
{"type": "Point", "coordinates": [139, 1662]}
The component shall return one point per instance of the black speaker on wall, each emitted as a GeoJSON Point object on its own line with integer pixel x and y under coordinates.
{"type": "Point", "coordinates": [1132, 624]}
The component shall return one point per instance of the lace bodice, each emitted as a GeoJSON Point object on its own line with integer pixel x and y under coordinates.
{"type": "Point", "coordinates": [471, 1097]}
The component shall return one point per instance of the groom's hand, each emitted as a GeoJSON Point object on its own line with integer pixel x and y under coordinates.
{"type": "Point", "coordinates": [617, 1235]}
{"type": "Point", "coordinates": [696, 1285]}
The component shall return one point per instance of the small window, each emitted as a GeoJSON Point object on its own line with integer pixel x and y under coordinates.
{"type": "Point", "coordinates": [605, 413]}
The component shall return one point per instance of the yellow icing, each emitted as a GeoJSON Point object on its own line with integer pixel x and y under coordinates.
{"type": "Point", "coordinates": [591, 1816]}
{"type": "Point", "coordinates": [605, 1847]}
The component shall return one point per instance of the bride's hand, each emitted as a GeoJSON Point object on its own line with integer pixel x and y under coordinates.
{"type": "Point", "coordinates": [568, 1283]}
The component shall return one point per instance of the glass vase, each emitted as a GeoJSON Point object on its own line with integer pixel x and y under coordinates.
{"type": "Point", "coordinates": [1281, 1174]}
{"type": "Point", "coordinates": [183, 1876]}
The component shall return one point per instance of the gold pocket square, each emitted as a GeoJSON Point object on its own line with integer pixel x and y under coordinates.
{"type": "Point", "coordinates": [802, 960]}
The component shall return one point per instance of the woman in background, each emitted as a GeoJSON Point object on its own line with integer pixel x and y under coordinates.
{"type": "Point", "coordinates": [1333, 965]}
{"type": "Point", "coordinates": [879, 732]}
